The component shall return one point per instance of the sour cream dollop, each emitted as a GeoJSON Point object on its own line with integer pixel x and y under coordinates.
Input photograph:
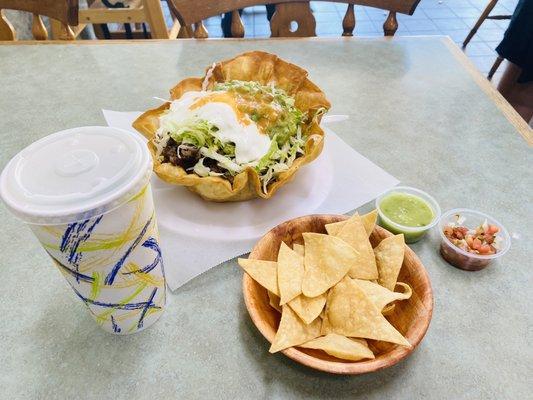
{"type": "Point", "coordinates": [220, 109]}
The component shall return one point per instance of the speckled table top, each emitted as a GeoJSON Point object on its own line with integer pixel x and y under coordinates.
{"type": "Point", "coordinates": [414, 110]}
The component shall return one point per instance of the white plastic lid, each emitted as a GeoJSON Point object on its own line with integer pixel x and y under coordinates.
{"type": "Point", "coordinates": [75, 174]}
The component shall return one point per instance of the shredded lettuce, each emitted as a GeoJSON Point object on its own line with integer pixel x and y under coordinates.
{"type": "Point", "coordinates": [197, 132]}
{"type": "Point", "coordinates": [201, 170]}
{"type": "Point", "coordinates": [269, 156]}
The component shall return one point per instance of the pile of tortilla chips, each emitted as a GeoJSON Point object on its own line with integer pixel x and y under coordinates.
{"type": "Point", "coordinates": [333, 291]}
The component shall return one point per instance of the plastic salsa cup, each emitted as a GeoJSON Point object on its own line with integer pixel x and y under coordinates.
{"type": "Point", "coordinates": [411, 233]}
{"type": "Point", "coordinates": [463, 259]}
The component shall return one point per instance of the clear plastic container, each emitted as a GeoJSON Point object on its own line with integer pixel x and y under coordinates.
{"type": "Point", "coordinates": [411, 233]}
{"type": "Point", "coordinates": [463, 259]}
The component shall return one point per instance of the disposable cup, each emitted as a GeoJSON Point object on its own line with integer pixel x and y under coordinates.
{"type": "Point", "coordinates": [85, 194]}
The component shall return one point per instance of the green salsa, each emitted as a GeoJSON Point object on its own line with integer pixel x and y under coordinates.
{"type": "Point", "coordinates": [406, 209]}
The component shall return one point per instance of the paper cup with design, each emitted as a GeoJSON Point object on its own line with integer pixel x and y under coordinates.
{"type": "Point", "coordinates": [85, 193]}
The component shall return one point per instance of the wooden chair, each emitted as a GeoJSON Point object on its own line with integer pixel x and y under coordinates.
{"type": "Point", "coordinates": [65, 12]}
{"type": "Point", "coordinates": [126, 12]}
{"type": "Point", "coordinates": [288, 12]}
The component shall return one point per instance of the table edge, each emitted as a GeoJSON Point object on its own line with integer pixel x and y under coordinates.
{"type": "Point", "coordinates": [207, 40]}
{"type": "Point", "coordinates": [510, 113]}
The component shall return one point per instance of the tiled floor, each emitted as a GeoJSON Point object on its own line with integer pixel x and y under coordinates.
{"type": "Point", "coordinates": [432, 17]}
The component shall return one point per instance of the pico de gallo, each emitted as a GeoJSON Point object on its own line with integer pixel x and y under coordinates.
{"type": "Point", "coordinates": [482, 240]}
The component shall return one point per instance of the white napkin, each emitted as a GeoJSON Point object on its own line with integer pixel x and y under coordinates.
{"type": "Point", "coordinates": [197, 235]}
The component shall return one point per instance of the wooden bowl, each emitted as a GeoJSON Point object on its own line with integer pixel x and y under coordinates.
{"type": "Point", "coordinates": [411, 317]}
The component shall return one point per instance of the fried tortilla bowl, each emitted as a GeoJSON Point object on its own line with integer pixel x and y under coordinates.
{"type": "Point", "coordinates": [256, 66]}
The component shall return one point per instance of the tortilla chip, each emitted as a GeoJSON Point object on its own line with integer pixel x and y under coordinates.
{"type": "Point", "coordinates": [350, 312]}
{"type": "Point", "coordinates": [379, 295]}
{"type": "Point", "coordinates": [263, 272]}
{"type": "Point", "coordinates": [293, 331]}
{"type": "Point", "coordinates": [389, 259]}
{"type": "Point", "coordinates": [407, 292]}
{"type": "Point", "coordinates": [353, 232]}
{"type": "Point", "coordinates": [327, 260]}
{"type": "Point", "coordinates": [290, 273]}
{"type": "Point", "coordinates": [273, 300]}
{"type": "Point", "coordinates": [334, 228]}
{"type": "Point", "coordinates": [406, 289]}
{"type": "Point", "coordinates": [341, 347]}
{"type": "Point", "coordinates": [387, 310]}
{"type": "Point", "coordinates": [308, 308]}
{"type": "Point", "coordinates": [369, 221]}
{"type": "Point", "coordinates": [299, 248]}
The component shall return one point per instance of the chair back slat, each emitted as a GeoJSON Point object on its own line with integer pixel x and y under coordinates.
{"type": "Point", "coordinates": [348, 22]}
{"type": "Point", "coordinates": [237, 27]}
{"type": "Point", "coordinates": [293, 20]}
{"type": "Point", "coordinates": [7, 31]}
{"type": "Point", "coordinates": [38, 29]}
{"type": "Point", "coordinates": [185, 32]}
{"type": "Point", "coordinates": [391, 24]}
{"type": "Point", "coordinates": [199, 31]}
{"type": "Point", "coordinates": [66, 33]}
